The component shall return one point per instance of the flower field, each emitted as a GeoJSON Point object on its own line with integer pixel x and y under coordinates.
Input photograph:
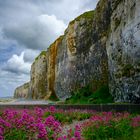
{"type": "Point", "coordinates": [57, 124]}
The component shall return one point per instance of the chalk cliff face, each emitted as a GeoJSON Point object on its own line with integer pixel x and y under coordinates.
{"type": "Point", "coordinates": [38, 82]}
{"type": "Point", "coordinates": [22, 91]}
{"type": "Point", "coordinates": [100, 47]}
{"type": "Point", "coordinates": [123, 49]}
{"type": "Point", "coordinates": [51, 68]}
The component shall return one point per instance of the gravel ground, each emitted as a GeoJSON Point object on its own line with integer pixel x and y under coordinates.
{"type": "Point", "coordinates": [24, 102]}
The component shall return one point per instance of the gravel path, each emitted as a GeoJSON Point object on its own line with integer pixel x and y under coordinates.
{"type": "Point", "coordinates": [72, 126]}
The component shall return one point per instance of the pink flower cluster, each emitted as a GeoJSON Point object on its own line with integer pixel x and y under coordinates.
{"type": "Point", "coordinates": [105, 117]}
{"type": "Point", "coordinates": [136, 121]}
{"type": "Point", "coordinates": [37, 127]}
{"type": "Point", "coordinates": [31, 122]}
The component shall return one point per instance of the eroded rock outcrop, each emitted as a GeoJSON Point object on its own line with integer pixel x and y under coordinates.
{"type": "Point", "coordinates": [22, 91]}
{"type": "Point", "coordinates": [100, 47]}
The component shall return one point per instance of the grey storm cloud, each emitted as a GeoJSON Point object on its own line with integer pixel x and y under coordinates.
{"type": "Point", "coordinates": [30, 55]}
{"type": "Point", "coordinates": [36, 33]}
{"type": "Point", "coordinates": [25, 22]}
{"type": "Point", "coordinates": [21, 20]}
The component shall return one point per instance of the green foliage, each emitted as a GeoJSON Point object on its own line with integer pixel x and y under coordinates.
{"type": "Point", "coordinates": [136, 135]}
{"type": "Point", "coordinates": [53, 97]}
{"type": "Point", "coordinates": [41, 54]}
{"type": "Point", "coordinates": [85, 95]}
{"type": "Point", "coordinates": [15, 134]}
{"type": "Point", "coordinates": [63, 118]}
{"type": "Point", "coordinates": [67, 118]}
{"type": "Point", "coordinates": [81, 116]}
{"type": "Point", "coordinates": [1, 113]}
{"type": "Point", "coordinates": [111, 131]}
{"type": "Point", "coordinates": [102, 95]}
{"type": "Point", "coordinates": [87, 15]}
{"type": "Point", "coordinates": [46, 114]}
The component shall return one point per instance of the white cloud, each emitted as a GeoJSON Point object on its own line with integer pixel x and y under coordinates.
{"type": "Point", "coordinates": [9, 81]}
{"type": "Point", "coordinates": [51, 22]}
{"type": "Point", "coordinates": [68, 9]}
{"type": "Point", "coordinates": [16, 64]}
{"type": "Point", "coordinates": [30, 55]}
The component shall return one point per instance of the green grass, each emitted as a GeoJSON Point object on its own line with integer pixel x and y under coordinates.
{"type": "Point", "coordinates": [85, 95]}
{"type": "Point", "coordinates": [68, 117]}
{"type": "Point", "coordinates": [53, 97]}
{"type": "Point", "coordinates": [121, 130]}
{"type": "Point", "coordinates": [16, 134]}
{"type": "Point", "coordinates": [87, 15]}
{"type": "Point", "coordinates": [41, 54]}
{"type": "Point", "coordinates": [135, 136]}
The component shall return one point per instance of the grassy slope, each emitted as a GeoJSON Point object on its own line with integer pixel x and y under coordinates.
{"type": "Point", "coordinates": [86, 96]}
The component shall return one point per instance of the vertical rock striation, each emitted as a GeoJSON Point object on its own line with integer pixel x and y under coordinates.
{"type": "Point", "coordinates": [38, 83]}
{"type": "Point", "coordinates": [51, 68]}
{"type": "Point", "coordinates": [123, 49]}
{"type": "Point", "coordinates": [82, 58]}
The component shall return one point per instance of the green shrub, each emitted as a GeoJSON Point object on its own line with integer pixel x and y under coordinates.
{"type": "Point", "coordinates": [63, 118]}
{"type": "Point", "coordinates": [68, 117]}
{"type": "Point", "coordinates": [15, 134]}
{"type": "Point", "coordinates": [81, 116]}
{"type": "Point", "coordinates": [1, 113]}
{"type": "Point", "coordinates": [112, 131]}
{"type": "Point", "coordinates": [46, 114]}
{"type": "Point", "coordinates": [102, 95]}
{"type": "Point", "coordinates": [85, 95]}
{"type": "Point", "coordinates": [53, 97]}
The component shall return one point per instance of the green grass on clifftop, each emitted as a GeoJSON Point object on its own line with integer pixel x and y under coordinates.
{"type": "Point", "coordinates": [86, 15]}
{"type": "Point", "coordinates": [41, 54]}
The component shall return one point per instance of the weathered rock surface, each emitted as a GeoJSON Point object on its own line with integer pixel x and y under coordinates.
{"type": "Point", "coordinates": [123, 49]}
{"type": "Point", "coordinates": [51, 68]}
{"type": "Point", "coordinates": [22, 91]}
{"type": "Point", "coordinates": [98, 48]}
{"type": "Point", "coordinates": [82, 58]}
{"type": "Point", "coordinates": [38, 84]}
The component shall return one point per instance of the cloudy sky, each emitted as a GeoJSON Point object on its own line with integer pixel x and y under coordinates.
{"type": "Point", "coordinates": [26, 28]}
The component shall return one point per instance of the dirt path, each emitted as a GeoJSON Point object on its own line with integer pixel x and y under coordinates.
{"type": "Point", "coordinates": [67, 127]}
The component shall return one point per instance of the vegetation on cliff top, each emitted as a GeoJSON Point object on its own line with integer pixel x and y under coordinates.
{"type": "Point", "coordinates": [41, 54]}
{"type": "Point", "coordinates": [59, 39]}
{"type": "Point", "coordinates": [87, 15]}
